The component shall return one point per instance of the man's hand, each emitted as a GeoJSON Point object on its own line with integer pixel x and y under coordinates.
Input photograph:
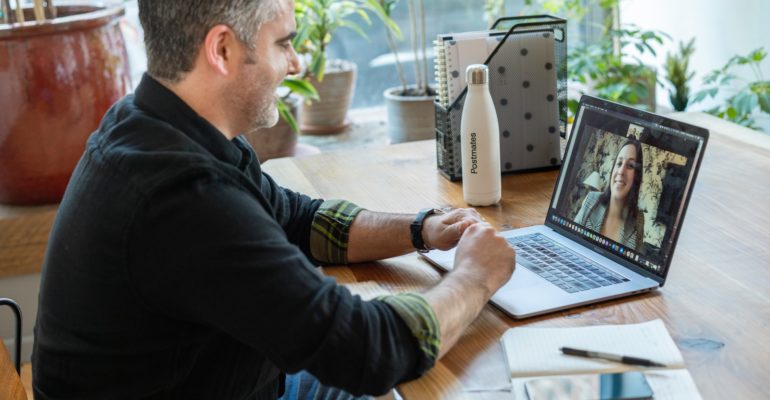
{"type": "Point", "coordinates": [443, 231]}
{"type": "Point", "coordinates": [485, 257]}
{"type": "Point", "coordinates": [483, 263]}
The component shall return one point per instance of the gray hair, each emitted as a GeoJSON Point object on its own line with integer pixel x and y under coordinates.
{"type": "Point", "coordinates": [175, 29]}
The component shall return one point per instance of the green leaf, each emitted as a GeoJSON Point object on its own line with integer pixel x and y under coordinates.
{"type": "Point", "coordinates": [355, 27]}
{"type": "Point", "coordinates": [301, 87]}
{"type": "Point", "coordinates": [318, 65]}
{"type": "Point", "coordinates": [758, 55]}
{"type": "Point", "coordinates": [701, 95]}
{"type": "Point", "coordinates": [731, 113]}
{"type": "Point", "coordinates": [286, 115]}
{"type": "Point", "coordinates": [764, 102]}
{"type": "Point", "coordinates": [745, 102]}
{"type": "Point", "coordinates": [741, 60]}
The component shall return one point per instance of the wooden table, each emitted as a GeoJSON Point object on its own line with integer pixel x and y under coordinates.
{"type": "Point", "coordinates": [716, 302]}
{"type": "Point", "coordinates": [11, 387]}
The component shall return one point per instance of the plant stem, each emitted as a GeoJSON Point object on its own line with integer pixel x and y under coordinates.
{"type": "Point", "coordinates": [424, 88]}
{"type": "Point", "coordinates": [394, 50]}
{"type": "Point", "coordinates": [757, 72]}
{"type": "Point", "coordinates": [413, 35]}
{"type": "Point", "coordinates": [19, 12]}
{"type": "Point", "coordinates": [52, 9]}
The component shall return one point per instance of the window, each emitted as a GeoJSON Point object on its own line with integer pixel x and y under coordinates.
{"type": "Point", "coordinates": [376, 67]}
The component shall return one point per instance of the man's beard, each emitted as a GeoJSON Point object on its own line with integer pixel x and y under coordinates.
{"type": "Point", "coordinates": [257, 108]}
{"type": "Point", "coordinates": [266, 114]}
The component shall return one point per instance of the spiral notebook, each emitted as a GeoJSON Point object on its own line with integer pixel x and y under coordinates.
{"type": "Point", "coordinates": [523, 85]}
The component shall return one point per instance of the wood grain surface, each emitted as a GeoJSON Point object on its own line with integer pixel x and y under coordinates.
{"type": "Point", "coordinates": [11, 387]}
{"type": "Point", "coordinates": [716, 301]}
{"type": "Point", "coordinates": [715, 304]}
{"type": "Point", "coordinates": [23, 237]}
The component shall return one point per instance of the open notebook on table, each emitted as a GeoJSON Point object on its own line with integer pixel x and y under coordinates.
{"type": "Point", "coordinates": [534, 352]}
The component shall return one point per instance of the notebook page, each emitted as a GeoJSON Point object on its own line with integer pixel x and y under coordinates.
{"type": "Point", "coordinates": [535, 351]}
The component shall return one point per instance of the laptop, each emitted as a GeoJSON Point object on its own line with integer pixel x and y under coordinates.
{"type": "Point", "coordinates": [614, 217]}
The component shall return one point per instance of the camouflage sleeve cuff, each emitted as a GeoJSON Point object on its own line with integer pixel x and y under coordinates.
{"type": "Point", "coordinates": [421, 320]}
{"type": "Point", "coordinates": [330, 230]}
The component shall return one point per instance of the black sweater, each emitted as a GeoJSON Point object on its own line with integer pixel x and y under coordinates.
{"type": "Point", "coordinates": [177, 269]}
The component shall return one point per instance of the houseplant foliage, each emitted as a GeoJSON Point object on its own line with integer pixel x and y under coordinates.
{"type": "Point", "coordinates": [493, 10]}
{"type": "Point", "coordinates": [299, 86]}
{"type": "Point", "coordinates": [752, 96]}
{"type": "Point", "coordinates": [611, 72]}
{"type": "Point", "coordinates": [679, 75]}
{"type": "Point", "coordinates": [603, 66]}
{"type": "Point", "coordinates": [317, 21]}
{"type": "Point", "coordinates": [411, 114]}
{"type": "Point", "coordinates": [418, 41]}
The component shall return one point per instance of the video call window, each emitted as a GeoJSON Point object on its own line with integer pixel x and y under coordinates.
{"type": "Point", "coordinates": [628, 183]}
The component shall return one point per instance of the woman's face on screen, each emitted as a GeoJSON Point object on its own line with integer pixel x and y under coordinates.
{"type": "Point", "coordinates": [623, 172]}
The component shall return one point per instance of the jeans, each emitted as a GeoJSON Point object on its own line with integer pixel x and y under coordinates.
{"type": "Point", "coordinates": [303, 386]}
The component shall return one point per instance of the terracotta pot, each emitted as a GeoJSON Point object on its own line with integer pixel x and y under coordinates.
{"type": "Point", "coordinates": [409, 117]}
{"type": "Point", "coordinates": [328, 115]}
{"type": "Point", "coordinates": [57, 79]}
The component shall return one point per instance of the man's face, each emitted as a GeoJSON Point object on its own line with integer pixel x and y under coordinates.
{"type": "Point", "coordinates": [252, 92]}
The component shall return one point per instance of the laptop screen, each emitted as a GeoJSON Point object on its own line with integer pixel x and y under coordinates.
{"type": "Point", "coordinates": [625, 183]}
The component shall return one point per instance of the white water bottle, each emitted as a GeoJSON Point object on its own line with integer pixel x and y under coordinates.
{"type": "Point", "coordinates": [480, 141]}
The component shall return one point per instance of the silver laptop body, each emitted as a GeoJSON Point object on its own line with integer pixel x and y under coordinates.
{"type": "Point", "coordinates": [565, 264]}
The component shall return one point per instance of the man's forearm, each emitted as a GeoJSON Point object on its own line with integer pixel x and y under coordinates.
{"type": "Point", "coordinates": [375, 236]}
{"type": "Point", "coordinates": [457, 300]}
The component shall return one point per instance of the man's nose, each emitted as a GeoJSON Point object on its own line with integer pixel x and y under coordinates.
{"type": "Point", "coordinates": [294, 68]}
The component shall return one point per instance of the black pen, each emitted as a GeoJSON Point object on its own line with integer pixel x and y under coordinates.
{"type": "Point", "coordinates": [610, 357]}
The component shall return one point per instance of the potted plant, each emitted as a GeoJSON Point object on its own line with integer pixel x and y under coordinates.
{"type": "Point", "coordinates": [605, 69]}
{"type": "Point", "coordinates": [752, 98]}
{"type": "Point", "coordinates": [334, 79]}
{"type": "Point", "coordinates": [604, 66]}
{"type": "Point", "coordinates": [679, 75]}
{"type": "Point", "coordinates": [411, 114]}
{"type": "Point", "coordinates": [61, 68]}
{"type": "Point", "coordinates": [281, 139]}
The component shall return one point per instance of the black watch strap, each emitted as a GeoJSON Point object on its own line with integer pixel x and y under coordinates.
{"type": "Point", "coordinates": [416, 228]}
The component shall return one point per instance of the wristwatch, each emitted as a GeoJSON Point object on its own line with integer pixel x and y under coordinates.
{"type": "Point", "coordinates": [416, 228]}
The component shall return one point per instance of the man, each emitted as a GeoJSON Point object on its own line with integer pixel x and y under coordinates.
{"type": "Point", "coordinates": [177, 269]}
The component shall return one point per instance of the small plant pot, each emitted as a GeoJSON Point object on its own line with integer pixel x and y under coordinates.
{"type": "Point", "coordinates": [329, 114]}
{"type": "Point", "coordinates": [57, 79]}
{"type": "Point", "coordinates": [410, 117]}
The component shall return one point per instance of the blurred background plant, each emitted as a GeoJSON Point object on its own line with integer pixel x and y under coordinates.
{"type": "Point", "coordinates": [599, 60]}
{"type": "Point", "coordinates": [418, 42]}
{"type": "Point", "coordinates": [494, 10]}
{"type": "Point", "coordinates": [678, 75]}
{"type": "Point", "coordinates": [608, 70]}
{"type": "Point", "coordinates": [317, 21]}
{"type": "Point", "coordinates": [299, 86]}
{"type": "Point", "coordinates": [752, 97]}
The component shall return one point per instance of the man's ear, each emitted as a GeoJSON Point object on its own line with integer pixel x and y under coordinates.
{"type": "Point", "coordinates": [219, 48]}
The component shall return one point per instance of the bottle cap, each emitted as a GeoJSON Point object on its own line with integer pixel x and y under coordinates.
{"type": "Point", "coordinates": [477, 74]}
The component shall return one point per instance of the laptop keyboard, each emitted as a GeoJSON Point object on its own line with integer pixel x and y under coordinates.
{"type": "Point", "coordinates": [560, 266]}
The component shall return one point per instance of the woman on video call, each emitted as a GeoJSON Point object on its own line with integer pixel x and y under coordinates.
{"type": "Point", "coordinates": [615, 213]}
